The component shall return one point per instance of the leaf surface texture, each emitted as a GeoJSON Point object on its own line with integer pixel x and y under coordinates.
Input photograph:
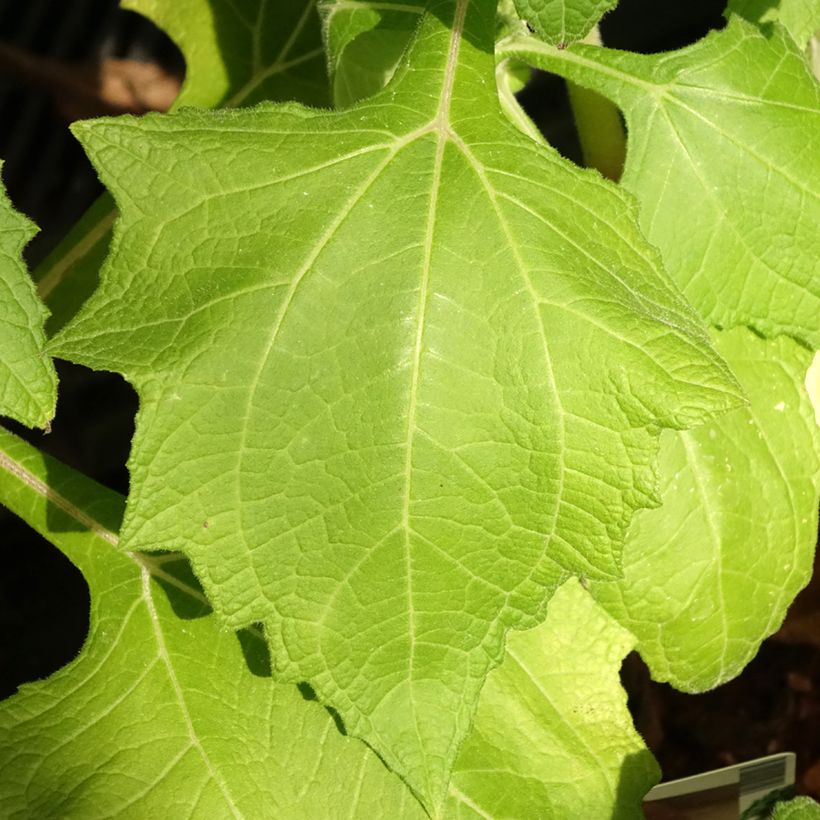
{"type": "Point", "coordinates": [723, 143]}
{"type": "Point", "coordinates": [402, 372]}
{"type": "Point", "coordinates": [553, 737]}
{"type": "Point", "coordinates": [710, 573]}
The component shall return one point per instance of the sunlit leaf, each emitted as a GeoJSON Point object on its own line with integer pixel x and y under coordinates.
{"type": "Point", "coordinates": [402, 371]}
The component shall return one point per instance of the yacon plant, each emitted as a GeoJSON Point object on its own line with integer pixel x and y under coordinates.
{"type": "Point", "coordinates": [435, 426]}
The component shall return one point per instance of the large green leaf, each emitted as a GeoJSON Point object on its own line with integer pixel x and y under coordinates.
{"type": "Point", "coordinates": [163, 713]}
{"type": "Point", "coordinates": [562, 22]}
{"type": "Point", "coordinates": [239, 53]}
{"type": "Point", "coordinates": [28, 384]}
{"type": "Point", "coordinates": [401, 371]}
{"type": "Point", "coordinates": [723, 144]}
{"type": "Point", "coordinates": [710, 573]}
{"type": "Point", "coordinates": [552, 736]}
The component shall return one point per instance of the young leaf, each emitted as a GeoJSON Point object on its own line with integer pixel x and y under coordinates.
{"type": "Point", "coordinates": [552, 736]}
{"type": "Point", "coordinates": [801, 18]}
{"type": "Point", "coordinates": [199, 728]}
{"type": "Point", "coordinates": [406, 365]}
{"type": "Point", "coordinates": [239, 54]}
{"type": "Point", "coordinates": [710, 573]}
{"type": "Point", "coordinates": [723, 145]}
{"type": "Point", "coordinates": [562, 22]}
{"type": "Point", "coordinates": [364, 44]}
{"type": "Point", "coordinates": [28, 383]}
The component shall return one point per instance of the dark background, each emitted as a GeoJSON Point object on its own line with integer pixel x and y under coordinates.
{"type": "Point", "coordinates": [773, 706]}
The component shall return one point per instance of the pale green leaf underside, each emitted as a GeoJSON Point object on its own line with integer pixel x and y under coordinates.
{"type": "Point", "coordinates": [239, 53]}
{"type": "Point", "coordinates": [553, 737]}
{"type": "Point", "coordinates": [563, 21]}
{"type": "Point", "coordinates": [710, 573]}
{"type": "Point", "coordinates": [401, 372]}
{"type": "Point", "coordinates": [164, 714]}
{"type": "Point", "coordinates": [28, 383]}
{"type": "Point", "coordinates": [801, 808]}
{"type": "Point", "coordinates": [801, 18]}
{"type": "Point", "coordinates": [723, 144]}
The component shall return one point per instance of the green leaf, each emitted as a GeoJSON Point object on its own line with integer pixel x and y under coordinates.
{"type": "Point", "coordinates": [552, 736]}
{"type": "Point", "coordinates": [163, 713]}
{"type": "Point", "coordinates": [243, 53]}
{"type": "Point", "coordinates": [801, 18]}
{"type": "Point", "coordinates": [366, 40]}
{"type": "Point", "coordinates": [408, 388]}
{"type": "Point", "coordinates": [801, 808]}
{"type": "Point", "coordinates": [562, 22]}
{"type": "Point", "coordinates": [710, 574]}
{"type": "Point", "coordinates": [723, 145]}
{"type": "Point", "coordinates": [28, 383]}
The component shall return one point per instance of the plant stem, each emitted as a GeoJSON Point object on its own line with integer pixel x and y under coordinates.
{"type": "Point", "coordinates": [600, 128]}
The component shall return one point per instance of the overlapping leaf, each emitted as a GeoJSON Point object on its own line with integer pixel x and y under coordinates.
{"type": "Point", "coordinates": [163, 713]}
{"type": "Point", "coordinates": [553, 737]}
{"type": "Point", "coordinates": [243, 53]}
{"type": "Point", "coordinates": [364, 44]}
{"type": "Point", "coordinates": [235, 55]}
{"type": "Point", "coordinates": [723, 145]}
{"type": "Point", "coordinates": [401, 372]}
{"type": "Point", "coordinates": [801, 808]}
{"type": "Point", "coordinates": [28, 384]}
{"type": "Point", "coordinates": [710, 573]}
{"type": "Point", "coordinates": [562, 22]}
{"type": "Point", "coordinates": [159, 675]}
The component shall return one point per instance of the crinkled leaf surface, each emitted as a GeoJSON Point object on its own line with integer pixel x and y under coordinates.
{"type": "Point", "coordinates": [163, 713]}
{"type": "Point", "coordinates": [710, 573]}
{"type": "Point", "coordinates": [563, 21]}
{"type": "Point", "coordinates": [401, 371]}
{"type": "Point", "coordinates": [553, 737]}
{"type": "Point", "coordinates": [28, 383]}
{"type": "Point", "coordinates": [723, 144]}
{"type": "Point", "coordinates": [801, 18]}
{"type": "Point", "coordinates": [801, 808]}
{"type": "Point", "coordinates": [240, 53]}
